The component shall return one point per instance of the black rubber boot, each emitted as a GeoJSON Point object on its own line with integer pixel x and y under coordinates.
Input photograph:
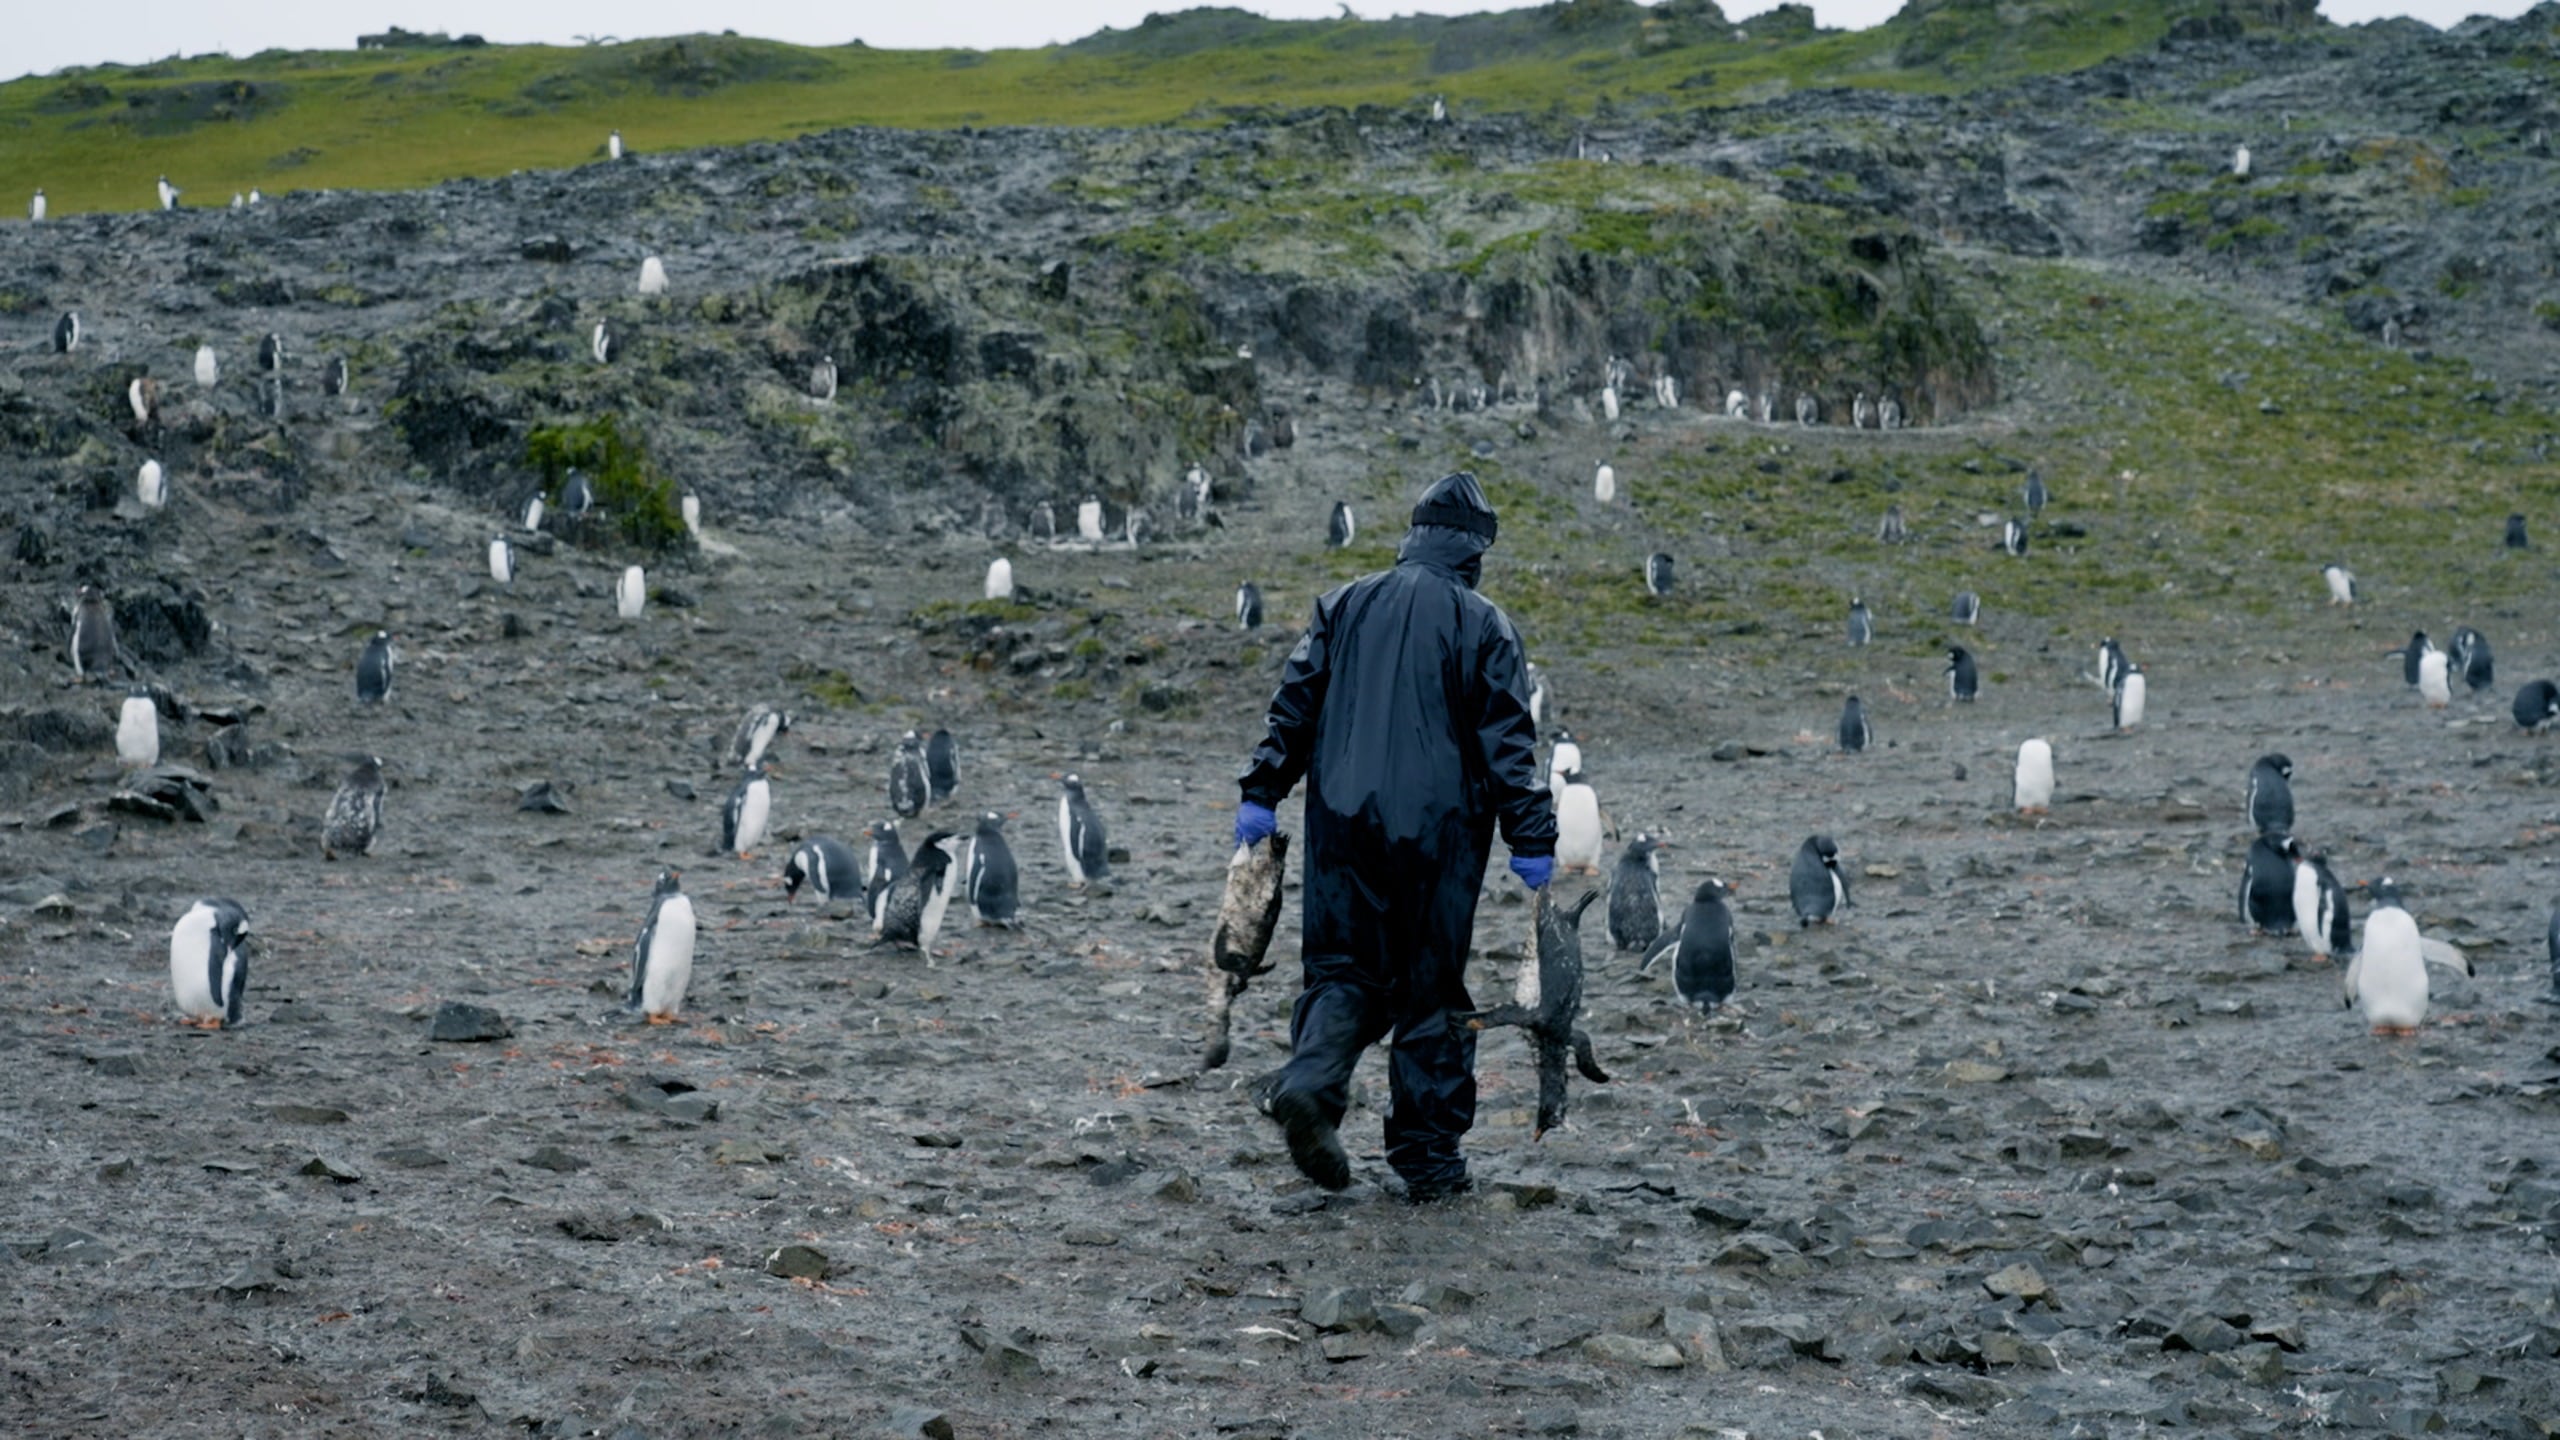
{"type": "Point", "coordinates": [1314, 1146]}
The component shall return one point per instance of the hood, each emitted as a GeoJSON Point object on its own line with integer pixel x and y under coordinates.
{"type": "Point", "coordinates": [1453, 525]}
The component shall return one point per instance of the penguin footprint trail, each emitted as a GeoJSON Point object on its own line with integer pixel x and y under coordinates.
{"type": "Point", "coordinates": [1548, 1004]}
{"type": "Point", "coordinates": [1240, 950]}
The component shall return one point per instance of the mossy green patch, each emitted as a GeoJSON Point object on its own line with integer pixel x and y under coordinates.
{"type": "Point", "coordinates": [636, 496]}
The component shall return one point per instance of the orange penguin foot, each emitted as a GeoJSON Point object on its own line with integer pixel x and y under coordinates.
{"type": "Point", "coordinates": [660, 1019]}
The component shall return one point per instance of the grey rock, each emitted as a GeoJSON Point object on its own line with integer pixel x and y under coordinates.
{"type": "Point", "coordinates": [797, 1262]}
{"type": "Point", "coordinates": [460, 1023]}
{"type": "Point", "coordinates": [1340, 1307]}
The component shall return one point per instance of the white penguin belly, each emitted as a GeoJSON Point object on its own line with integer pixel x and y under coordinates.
{"type": "Point", "coordinates": [2306, 910]}
{"type": "Point", "coordinates": [753, 812]}
{"type": "Point", "coordinates": [2391, 972]}
{"type": "Point", "coordinates": [138, 734]}
{"type": "Point", "coordinates": [1578, 827]}
{"type": "Point", "coordinates": [191, 964]}
{"type": "Point", "coordinates": [670, 968]}
{"type": "Point", "coordinates": [1067, 839]}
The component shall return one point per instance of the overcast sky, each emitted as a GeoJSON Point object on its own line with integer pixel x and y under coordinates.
{"type": "Point", "coordinates": [42, 35]}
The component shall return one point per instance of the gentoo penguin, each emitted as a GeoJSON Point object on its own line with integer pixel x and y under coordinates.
{"type": "Point", "coordinates": [826, 867]}
{"type": "Point", "coordinates": [2418, 648]}
{"type": "Point", "coordinates": [910, 786]}
{"type": "Point", "coordinates": [822, 380]}
{"type": "Point", "coordinates": [1136, 525]}
{"type": "Point", "coordinates": [2341, 582]}
{"type": "Point", "coordinates": [533, 513]}
{"type": "Point", "coordinates": [138, 731]}
{"type": "Point", "coordinates": [2034, 494]}
{"type": "Point", "coordinates": [613, 146]}
{"type": "Point", "coordinates": [169, 194]}
{"type": "Point", "coordinates": [254, 196]}
{"type": "Point", "coordinates": [912, 910]}
{"type": "Point", "coordinates": [1737, 406]}
{"type": "Point", "coordinates": [1000, 579]}
{"type": "Point", "coordinates": [1080, 833]}
{"type": "Point", "coordinates": [2388, 977]}
{"type": "Point", "coordinates": [577, 495]}
{"type": "Point", "coordinates": [662, 958]}
{"type": "Point", "coordinates": [1044, 523]}
{"type": "Point", "coordinates": [66, 333]}
{"type": "Point", "coordinates": [1089, 520]}
{"type": "Point", "coordinates": [1808, 409]}
{"type": "Point", "coordinates": [1537, 695]}
{"type": "Point", "coordinates": [600, 343]}
{"type": "Point", "coordinates": [373, 669]}
{"type": "Point", "coordinates": [631, 593]}
{"type": "Point", "coordinates": [1609, 402]}
{"type": "Point", "coordinates": [1888, 414]}
{"type": "Point", "coordinates": [2034, 790]}
{"type": "Point", "coordinates": [2240, 162]}
{"type": "Point", "coordinates": [746, 813]}
{"type": "Point", "coordinates": [2319, 905]}
{"type": "Point", "coordinates": [2468, 656]}
{"type": "Point", "coordinates": [1862, 412]}
{"type": "Point", "coordinates": [995, 882]}
{"type": "Point", "coordinates": [1854, 733]}
{"type": "Point", "coordinates": [653, 275]}
{"type": "Point", "coordinates": [151, 485]}
{"type": "Point", "coordinates": [1635, 894]}
{"type": "Point", "coordinates": [690, 508]}
{"type": "Point", "coordinates": [208, 369]}
{"type": "Point", "coordinates": [1862, 625]}
{"type": "Point", "coordinates": [2515, 533]}
{"type": "Point", "coordinates": [354, 821]}
{"type": "Point", "coordinates": [882, 864]}
{"type": "Point", "coordinates": [1761, 408]}
{"type": "Point", "coordinates": [1891, 529]}
{"type": "Point", "coordinates": [2267, 884]}
{"type": "Point", "coordinates": [93, 635]}
{"type": "Point", "coordinates": [1248, 606]}
{"type": "Point", "coordinates": [941, 765]}
{"type": "Point", "coordinates": [36, 207]}
{"type": "Point", "coordinates": [1562, 760]}
{"type": "Point", "coordinates": [1963, 683]}
{"type": "Point", "coordinates": [1340, 527]}
{"type": "Point", "coordinates": [1604, 483]}
{"type": "Point", "coordinates": [2132, 690]}
{"type": "Point", "coordinates": [2271, 795]}
{"type": "Point", "coordinates": [2013, 537]}
{"type": "Point", "coordinates": [2110, 663]}
{"type": "Point", "coordinates": [756, 732]}
{"type": "Point", "coordinates": [271, 354]}
{"type": "Point", "coordinates": [1439, 114]}
{"type": "Point", "coordinates": [1578, 826]}
{"type": "Point", "coordinates": [144, 396]}
{"type": "Point", "coordinates": [2537, 705]}
{"type": "Point", "coordinates": [1966, 609]}
{"type": "Point", "coordinates": [337, 376]}
{"type": "Point", "coordinates": [1658, 573]}
{"type": "Point", "coordinates": [1816, 883]}
{"type": "Point", "coordinates": [502, 560]}
{"type": "Point", "coordinates": [1667, 393]}
{"type": "Point", "coordinates": [1195, 494]}
{"type": "Point", "coordinates": [2432, 687]}
{"type": "Point", "coordinates": [209, 963]}
{"type": "Point", "coordinates": [1702, 952]}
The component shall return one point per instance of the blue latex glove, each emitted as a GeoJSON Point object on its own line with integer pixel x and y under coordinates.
{"type": "Point", "coordinates": [1254, 822]}
{"type": "Point", "coordinates": [1533, 870]}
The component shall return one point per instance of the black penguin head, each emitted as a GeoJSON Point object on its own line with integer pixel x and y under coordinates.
{"type": "Point", "coordinates": [667, 883]}
{"type": "Point", "coordinates": [2386, 892]}
{"type": "Point", "coordinates": [1825, 847]}
{"type": "Point", "coordinates": [2278, 763]}
{"type": "Point", "coordinates": [793, 873]}
{"type": "Point", "coordinates": [1955, 656]}
{"type": "Point", "coordinates": [1071, 784]}
{"type": "Point", "coordinates": [931, 859]}
{"type": "Point", "coordinates": [911, 741]}
{"type": "Point", "coordinates": [1574, 776]}
{"type": "Point", "coordinates": [1456, 502]}
{"type": "Point", "coordinates": [990, 822]}
{"type": "Point", "coordinates": [756, 772]}
{"type": "Point", "coordinates": [2291, 848]}
{"type": "Point", "coordinates": [1712, 890]}
{"type": "Point", "coordinates": [1645, 844]}
{"type": "Point", "coordinates": [90, 593]}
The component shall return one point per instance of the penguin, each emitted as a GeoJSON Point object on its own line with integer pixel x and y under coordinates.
{"type": "Point", "coordinates": [910, 786]}
{"type": "Point", "coordinates": [600, 343]}
{"type": "Point", "coordinates": [882, 864]}
{"type": "Point", "coordinates": [2388, 977]}
{"type": "Point", "coordinates": [337, 376]}
{"type": "Point", "coordinates": [138, 730]}
{"type": "Point", "coordinates": [36, 207]}
{"type": "Point", "coordinates": [2433, 691]}
{"type": "Point", "coordinates": [941, 765]}
{"type": "Point", "coordinates": [354, 821]}
{"type": "Point", "coordinates": [1761, 408]}
{"type": "Point", "coordinates": [144, 396]}
{"type": "Point", "coordinates": [209, 963]}
{"type": "Point", "coordinates": [826, 867]}
{"type": "Point", "coordinates": [1340, 527]}
{"type": "Point", "coordinates": [653, 275]}
{"type": "Point", "coordinates": [912, 910]}
{"type": "Point", "coordinates": [1609, 402]}
{"type": "Point", "coordinates": [1854, 733]}
{"type": "Point", "coordinates": [662, 958]}
{"type": "Point", "coordinates": [1578, 825]}
{"type": "Point", "coordinates": [1537, 695]}
{"type": "Point", "coordinates": [1862, 412]}
{"type": "Point", "coordinates": [995, 882]}
{"type": "Point", "coordinates": [1862, 625]}
{"type": "Point", "coordinates": [1963, 682]}
{"type": "Point", "coordinates": [169, 194]}
{"type": "Point", "coordinates": [502, 560]}
{"type": "Point", "coordinates": [2537, 705]}
{"type": "Point", "coordinates": [1701, 949]}
{"type": "Point", "coordinates": [271, 354]}
{"type": "Point", "coordinates": [1248, 607]}
{"type": "Point", "coordinates": [631, 593]}
{"type": "Point", "coordinates": [1890, 529]}
{"type": "Point", "coordinates": [1136, 525]}
{"type": "Point", "coordinates": [533, 513]}
{"type": "Point", "coordinates": [2468, 656]}
{"type": "Point", "coordinates": [1044, 523]}
{"type": "Point", "coordinates": [822, 380]}
{"type": "Point", "coordinates": [1604, 483]}
{"type": "Point", "coordinates": [1966, 608]}
{"type": "Point", "coordinates": [1816, 884]}
{"type": "Point", "coordinates": [1658, 573]}
{"type": "Point", "coordinates": [2240, 163]}
{"type": "Point", "coordinates": [151, 485]}
{"type": "Point", "coordinates": [756, 732]}
{"type": "Point", "coordinates": [2515, 534]}
{"type": "Point", "coordinates": [373, 669]}
{"type": "Point", "coordinates": [1562, 760]}
{"type": "Point", "coordinates": [690, 509]}
{"type": "Point", "coordinates": [2132, 690]}
{"type": "Point", "coordinates": [2013, 537]}
{"type": "Point", "coordinates": [577, 495]}
{"type": "Point", "coordinates": [208, 368]}
{"type": "Point", "coordinates": [2418, 648]}
{"type": "Point", "coordinates": [2111, 663]}
{"type": "Point", "coordinates": [93, 636]}
{"type": "Point", "coordinates": [1888, 414]}
{"type": "Point", "coordinates": [1635, 894]}
{"type": "Point", "coordinates": [2267, 884]}
{"type": "Point", "coordinates": [2034, 789]}
{"type": "Point", "coordinates": [254, 197]}
{"type": "Point", "coordinates": [2035, 494]}
{"type": "Point", "coordinates": [2319, 905]}
{"type": "Point", "coordinates": [2271, 795]}
{"type": "Point", "coordinates": [613, 146]}
{"type": "Point", "coordinates": [1192, 501]}
{"type": "Point", "coordinates": [1000, 579]}
{"type": "Point", "coordinates": [1439, 114]}
{"type": "Point", "coordinates": [1808, 409]}
{"type": "Point", "coordinates": [1089, 520]}
{"type": "Point", "coordinates": [746, 813]}
{"type": "Point", "coordinates": [66, 333]}
{"type": "Point", "coordinates": [1080, 833]}
{"type": "Point", "coordinates": [2341, 582]}
{"type": "Point", "coordinates": [1737, 406]}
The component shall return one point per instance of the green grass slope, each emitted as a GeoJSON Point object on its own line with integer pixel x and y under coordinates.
{"type": "Point", "coordinates": [398, 118]}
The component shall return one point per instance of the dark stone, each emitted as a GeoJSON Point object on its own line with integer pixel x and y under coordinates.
{"type": "Point", "coordinates": [466, 1024]}
{"type": "Point", "coordinates": [542, 798]}
{"type": "Point", "coordinates": [797, 1262]}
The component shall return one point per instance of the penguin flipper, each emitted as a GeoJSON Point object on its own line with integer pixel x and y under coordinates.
{"type": "Point", "coordinates": [1663, 944]}
{"type": "Point", "coordinates": [1584, 1061]}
